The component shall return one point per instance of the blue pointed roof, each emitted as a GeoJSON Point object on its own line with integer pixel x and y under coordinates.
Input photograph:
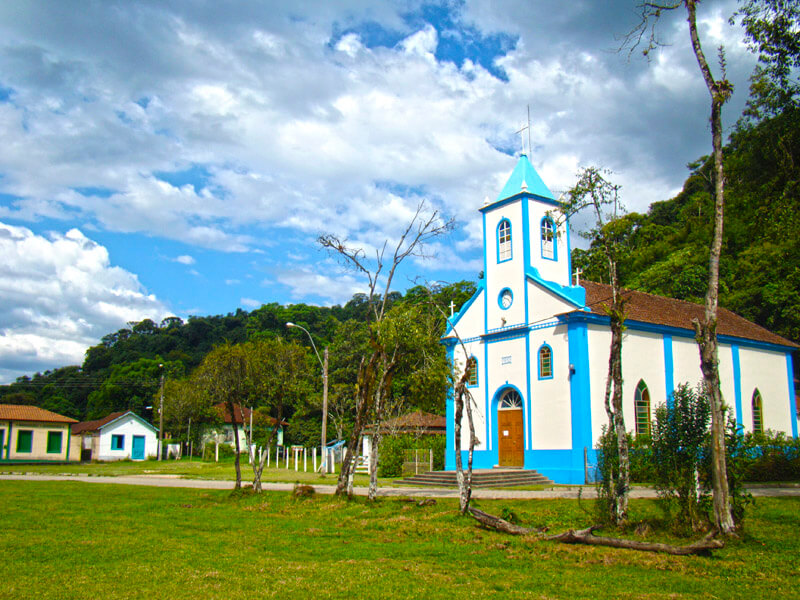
{"type": "Point", "coordinates": [524, 172]}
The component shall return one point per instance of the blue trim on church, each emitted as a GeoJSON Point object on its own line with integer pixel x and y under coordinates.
{"type": "Point", "coordinates": [449, 455]}
{"type": "Point", "coordinates": [574, 294]}
{"type": "Point", "coordinates": [580, 400]}
{"type": "Point", "coordinates": [792, 404]}
{"type": "Point", "coordinates": [669, 370]}
{"type": "Point", "coordinates": [737, 384]}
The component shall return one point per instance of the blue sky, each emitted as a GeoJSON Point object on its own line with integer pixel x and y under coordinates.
{"type": "Point", "coordinates": [170, 158]}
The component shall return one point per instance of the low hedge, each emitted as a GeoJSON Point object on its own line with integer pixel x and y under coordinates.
{"type": "Point", "coordinates": [390, 458]}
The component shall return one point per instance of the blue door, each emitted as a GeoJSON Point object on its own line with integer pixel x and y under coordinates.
{"type": "Point", "coordinates": [137, 452]}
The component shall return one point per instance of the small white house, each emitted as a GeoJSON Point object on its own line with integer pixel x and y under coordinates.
{"type": "Point", "coordinates": [118, 436]}
{"type": "Point", "coordinates": [226, 435]}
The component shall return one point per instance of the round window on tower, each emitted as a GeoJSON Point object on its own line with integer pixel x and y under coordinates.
{"type": "Point", "coordinates": [505, 299]}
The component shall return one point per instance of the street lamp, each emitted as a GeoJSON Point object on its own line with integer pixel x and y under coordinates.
{"type": "Point", "coordinates": [324, 366]}
{"type": "Point", "coordinates": [161, 413]}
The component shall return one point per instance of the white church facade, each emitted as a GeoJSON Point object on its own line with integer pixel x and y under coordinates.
{"type": "Point", "coordinates": [541, 346]}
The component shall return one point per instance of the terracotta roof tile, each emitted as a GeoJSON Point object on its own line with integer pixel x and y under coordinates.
{"type": "Point", "coordinates": [658, 310]}
{"type": "Point", "coordinates": [84, 426]}
{"type": "Point", "coordinates": [16, 412]}
{"type": "Point", "coordinates": [222, 409]}
{"type": "Point", "coordinates": [414, 422]}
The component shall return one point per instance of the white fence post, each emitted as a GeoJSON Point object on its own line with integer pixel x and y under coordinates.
{"type": "Point", "coordinates": [314, 455]}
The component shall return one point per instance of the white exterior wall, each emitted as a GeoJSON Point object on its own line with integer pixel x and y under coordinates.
{"type": "Point", "coordinates": [551, 412]}
{"type": "Point", "coordinates": [508, 274]}
{"type": "Point", "coordinates": [556, 271]}
{"type": "Point", "coordinates": [686, 362]}
{"type": "Point", "coordinates": [128, 426]}
{"type": "Point", "coordinates": [766, 371]}
{"type": "Point", "coordinates": [544, 305]}
{"type": "Point", "coordinates": [726, 375]}
{"type": "Point", "coordinates": [471, 325]}
{"type": "Point", "coordinates": [642, 359]}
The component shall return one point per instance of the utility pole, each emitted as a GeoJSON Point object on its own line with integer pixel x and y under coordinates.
{"type": "Point", "coordinates": [161, 415]}
{"type": "Point", "coordinates": [325, 411]}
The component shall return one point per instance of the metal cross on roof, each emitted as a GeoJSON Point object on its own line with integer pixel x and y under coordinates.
{"type": "Point", "coordinates": [521, 132]}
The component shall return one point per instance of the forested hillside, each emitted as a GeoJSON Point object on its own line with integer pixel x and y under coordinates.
{"type": "Point", "coordinates": [122, 372]}
{"type": "Point", "coordinates": [666, 250]}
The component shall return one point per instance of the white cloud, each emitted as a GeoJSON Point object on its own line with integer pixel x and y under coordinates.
{"type": "Point", "coordinates": [336, 289]}
{"type": "Point", "coordinates": [59, 295]}
{"type": "Point", "coordinates": [250, 303]}
{"type": "Point", "coordinates": [185, 259]}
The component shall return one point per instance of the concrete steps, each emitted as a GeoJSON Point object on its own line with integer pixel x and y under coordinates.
{"type": "Point", "coordinates": [481, 478]}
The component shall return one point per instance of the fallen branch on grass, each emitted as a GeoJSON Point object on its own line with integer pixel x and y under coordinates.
{"type": "Point", "coordinates": [499, 524]}
{"type": "Point", "coordinates": [586, 536]}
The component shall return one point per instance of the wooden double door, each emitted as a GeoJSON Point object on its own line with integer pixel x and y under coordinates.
{"type": "Point", "coordinates": [511, 437]}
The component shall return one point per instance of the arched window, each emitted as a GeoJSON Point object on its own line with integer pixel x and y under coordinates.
{"type": "Point", "coordinates": [472, 381]}
{"type": "Point", "coordinates": [641, 402]}
{"type": "Point", "coordinates": [548, 232]}
{"type": "Point", "coordinates": [545, 362]}
{"type": "Point", "coordinates": [758, 413]}
{"type": "Point", "coordinates": [504, 241]}
{"type": "Point", "coordinates": [510, 399]}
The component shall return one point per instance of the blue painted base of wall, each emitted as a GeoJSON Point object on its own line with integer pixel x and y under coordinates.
{"type": "Point", "coordinates": [562, 466]}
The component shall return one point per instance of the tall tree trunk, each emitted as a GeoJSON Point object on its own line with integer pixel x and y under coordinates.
{"type": "Point", "coordinates": [364, 396]}
{"type": "Point", "coordinates": [706, 332]}
{"type": "Point", "coordinates": [381, 397]}
{"type": "Point", "coordinates": [464, 482]}
{"type": "Point", "coordinates": [617, 318]}
{"type": "Point", "coordinates": [622, 485]}
{"type": "Point", "coordinates": [238, 484]}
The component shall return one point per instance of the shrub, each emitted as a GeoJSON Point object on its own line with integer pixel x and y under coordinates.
{"type": "Point", "coordinates": [225, 451]}
{"type": "Point", "coordinates": [391, 453]}
{"type": "Point", "coordinates": [607, 477]}
{"type": "Point", "coordinates": [770, 456]}
{"type": "Point", "coordinates": [679, 436]}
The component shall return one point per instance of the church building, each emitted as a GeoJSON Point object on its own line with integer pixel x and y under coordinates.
{"type": "Point", "coordinates": [541, 342]}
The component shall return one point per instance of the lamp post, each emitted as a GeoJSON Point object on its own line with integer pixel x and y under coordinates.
{"type": "Point", "coordinates": [324, 366]}
{"type": "Point", "coordinates": [161, 414]}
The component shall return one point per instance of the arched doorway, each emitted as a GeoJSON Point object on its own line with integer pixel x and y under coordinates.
{"type": "Point", "coordinates": [510, 430]}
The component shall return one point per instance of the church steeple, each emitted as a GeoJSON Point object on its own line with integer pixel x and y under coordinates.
{"type": "Point", "coordinates": [525, 174]}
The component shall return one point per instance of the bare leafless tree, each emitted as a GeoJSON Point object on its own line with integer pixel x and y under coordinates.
{"type": "Point", "coordinates": [380, 271]}
{"type": "Point", "coordinates": [720, 91]}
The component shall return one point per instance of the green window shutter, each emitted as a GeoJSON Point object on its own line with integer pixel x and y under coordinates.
{"type": "Point", "coordinates": [118, 442]}
{"type": "Point", "coordinates": [54, 442]}
{"type": "Point", "coordinates": [24, 440]}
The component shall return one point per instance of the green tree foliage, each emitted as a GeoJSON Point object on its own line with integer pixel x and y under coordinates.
{"type": "Point", "coordinates": [186, 403]}
{"type": "Point", "coordinates": [131, 386]}
{"type": "Point", "coordinates": [679, 440]}
{"type": "Point", "coordinates": [280, 378]}
{"type": "Point", "coordinates": [666, 249]}
{"type": "Point", "coordinates": [772, 29]}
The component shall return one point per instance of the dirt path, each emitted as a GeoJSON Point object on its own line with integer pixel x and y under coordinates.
{"type": "Point", "coordinates": [210, 484]}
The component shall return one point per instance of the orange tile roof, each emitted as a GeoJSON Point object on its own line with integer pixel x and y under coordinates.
{"type": "Point", "coordinates": [17, 412]}
{"type": "Point", "coordinates": [414, 422]}
{"type": "Point", "coordinates": [222, 409]}
{"type": "Point", "coordinates": [97, 423]}
{"type": "Point", "coordinates": [658, 310]}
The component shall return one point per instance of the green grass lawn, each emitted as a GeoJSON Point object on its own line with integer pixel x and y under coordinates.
{"type": "Point", "coordinates": [79, 540]}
